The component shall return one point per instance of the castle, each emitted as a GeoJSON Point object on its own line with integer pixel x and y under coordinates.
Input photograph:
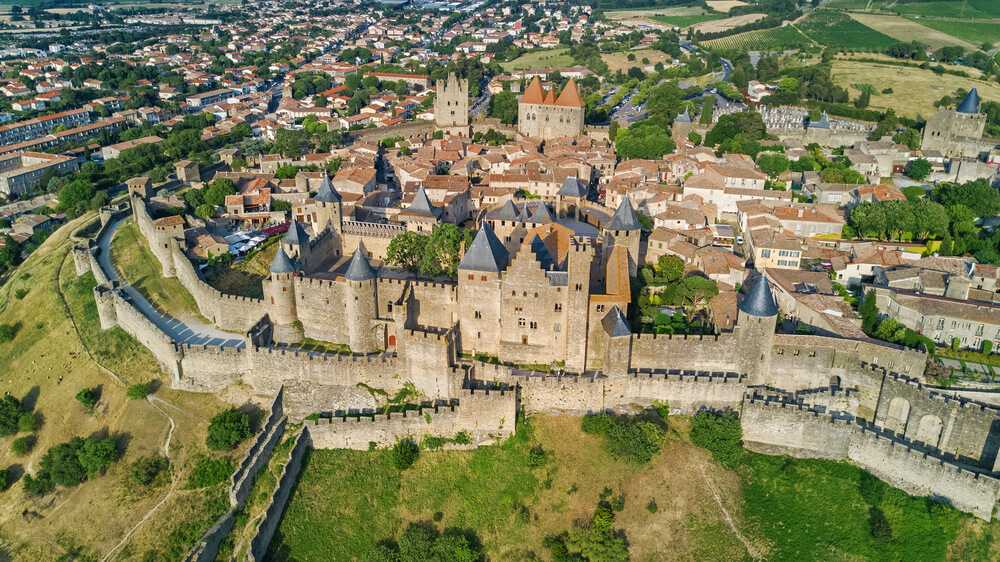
{"type": "Point", "coordinates": [543, 115]}
{"type": "Point", "coordinates": [959, 131]}
{"type": "Point", "coordinates": [537, 321]}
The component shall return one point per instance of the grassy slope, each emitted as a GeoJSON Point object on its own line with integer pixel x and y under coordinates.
{"type": "Point", "coordinates": [244, 278]}
{"type": "Point", "coordinates": [955, 9]}
{"type": "Point", "coordinates": [139, 267]}
{"type": "Point", "coordinates": [687, 21]}
{"type": "Point", "coordinates": [548, 58]}
{"type": "Point", "coordinates": [974, 32]}
{"type": "Point", "coordinates": [46, 347]}
{"type": "Point", "coordinates": [787, 509]}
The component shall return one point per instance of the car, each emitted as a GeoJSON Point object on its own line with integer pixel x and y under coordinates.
{"type": "Point", "coordinates": [739, 240]}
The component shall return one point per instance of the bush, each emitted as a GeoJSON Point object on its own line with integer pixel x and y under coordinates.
{"type": "Point", "coordinates": [146, 470]}
{"type": "Point", "coordinates": [10, 415]}
{"type": "Point", "coordinates": [463, 437]}
{"type": "Point", "coordinates": [22, 445]}
{"type": "Point", "coordinates": [88, 398]}
{"type": "Point", "coordinates": [20, 294]}
{"type": "Point", "coordinates": [137, 391]}
{"type": "Point", "coordinates": [719, 434]}
{"type": "Point", "coordinates": [28, 422]}
{"type": "Point", "coordinates": [403, 454]}
{"type": "Point", "coordinates": [39, 485]}
{"type": "Point", "coordinates": [625, 437]}
{"type": "Point", "coordinates": [227, 429]}
{"type": "Point", "coordinates": [6, 333]}
{"type": "Point", "coordinates": [209, 471]}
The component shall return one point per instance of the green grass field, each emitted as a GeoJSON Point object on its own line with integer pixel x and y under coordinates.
{"type": "Point", "coordinates": [976, 33]}
{"type": "Point", "coordinates": [547, 58]}
{"type": "Point", "coordinates": [346, 502]}
{"type": "Point", "coordinates": [840, 30]}
{"type": "Point", "coordinates": [961, 9]}
{"type": "Point", "coordinates": [687, 21]}
{"type": "Point", "coordinates": [991, 7]}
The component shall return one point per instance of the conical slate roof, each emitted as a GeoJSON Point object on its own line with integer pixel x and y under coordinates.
{"type": "Point", "coordinates": [327, 193]}
{"type": "Point", "coordinates": [571, 187]}
{"type": "Point", "coordinates": [684, 117]}
{"type": "Point", "coordinates": [541, 215]}
{"type": "Point", "coordinates": [541, 253]}
{"type": "Point", "coordinates": [486, 253]}
{"type": "Point", "coordinates": [624, 218]}
{"type": "Point", "coordinates": [296, 234]}
{"type": "Point", "coordinates": [823, 123]}
{"type": "Point", "coordinates": [508, 212]}
{"type": "Point", "coordinates": [359, 269]}
{"type": "Point", "coordinates": [615, 324]}
{"type": "Point", "coordinates": [422, 205]}
{"type": "Point", "coordinates": [760, 302]}
{"type": "Point", "coordinates": [524, 216]}
{"type": "Point", "coordinates": [282, 263]}
{"type": "Point", "coordinates": [970, 105]}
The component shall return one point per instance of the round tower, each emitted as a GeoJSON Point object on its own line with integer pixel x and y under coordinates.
{"type": "Point", "coordinates": [361, 304]}
{"type": "Point", "coordinates": [756, 320]}
{"type": "Point", "coordinates": [282, 297]}
{"type": "Point", "coordinates": [328, 211]}
{"type": "Point", "coordinates": [624, 229]}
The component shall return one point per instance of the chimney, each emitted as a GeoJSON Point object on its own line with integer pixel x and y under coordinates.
{"type": "Point", "coordinates": [800, 213]}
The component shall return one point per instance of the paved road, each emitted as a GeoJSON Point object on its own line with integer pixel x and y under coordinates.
{"type": "Point", "coordinates": [191, 331]}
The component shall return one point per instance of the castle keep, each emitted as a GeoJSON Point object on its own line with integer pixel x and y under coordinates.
{"type": "Point", "coordinates": [959, 131]}
{"type": "Point", "coordinates": [543, 115]}
{"type": "Point", "coordinates": [548, 283]}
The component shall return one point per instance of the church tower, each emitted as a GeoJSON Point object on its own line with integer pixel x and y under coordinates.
{"type": "Point", "coordinates": [756, 320]}
{"type": "Point", "coordinates": [451, 106]}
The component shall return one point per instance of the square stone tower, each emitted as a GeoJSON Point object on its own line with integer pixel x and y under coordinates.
{"type": "Point", "coordinates": [451, 104]}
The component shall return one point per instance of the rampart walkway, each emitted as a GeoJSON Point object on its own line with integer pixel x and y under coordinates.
{"type": "Point", "coordinates": [190, 332]}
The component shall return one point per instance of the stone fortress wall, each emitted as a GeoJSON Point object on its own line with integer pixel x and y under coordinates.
{"type": "Point", "coordinates": [863, 418]}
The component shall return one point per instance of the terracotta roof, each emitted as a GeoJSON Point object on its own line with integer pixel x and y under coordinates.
{"type": "Point", "coordinates": [570, 96]}
{"type": "Point", "coordinates": [534, 93]}
{"type": "Point", "coordinates": [550, 98]}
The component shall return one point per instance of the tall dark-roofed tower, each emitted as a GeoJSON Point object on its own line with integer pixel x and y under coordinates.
{"type": "Point", "coordinates": [329, 214]}
{"type": "Point", "coordinates": [361, 303]}
{"type": "Point", "coordinates": [479, 292]}
{"type": "Point", "coordinates": [624, 229]}
{"type": "Point", "coordinates": [758, 314]}
{"type": "Point", "coordinates": [281, 291]}
{"type": "Point", "coordinates": [959, 131]}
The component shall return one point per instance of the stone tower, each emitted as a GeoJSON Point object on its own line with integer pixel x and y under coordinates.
{"type": "Point", "coordinates": [543, 115]}
{"type": "Point", "coordinates": [578, 263]}
{"type": "Point", "coordinates": [758, 314]}
{"type": "Point", "coordinates": [451, 106]}
{"type": "Point", "coordinates": [479, 292]}
{"type": "Point", "coordinates": [624, 229]}
{"type": "Point", "coordinates": [296, 244]}
{"type": "Point", "coordinates": [956, 132]}
{"type": "Point", "coordinates": [361, 307]}
{"type": "Point", "coordinates": [618, 345]}
{"type": "Point", "coordinates": [329, 214]}
{"type": "Point", "coordinates": [281, 291]}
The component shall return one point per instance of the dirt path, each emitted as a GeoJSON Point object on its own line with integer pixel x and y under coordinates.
{"type": "Point", "coordinates": [173, 483]}
{"type": "Point", "coordinates": [729, 520]}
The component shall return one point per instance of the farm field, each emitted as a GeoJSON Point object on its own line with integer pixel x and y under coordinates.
{"type": "Point", "coordinates": [840, 30]}
{"type": "Point", "coordinates": [991, 7]}
{"type": "Point", "coordinates": [540, 59]}
{"type": "Point", "coordinates": [914, 90]}
{"type": "Point", "coordinates": [904, 29]}
{"type": "Point", "coordinates": [960, 10]}
{"type": "Point", "coordinates": [687, 21]}
{"type": "Point", "coordinates": [975, 32]}
{"type": "Point", "coordinates": [713, 26]}
{"type": "Point", "coordinates": [670, 509]}
{"type": "Point", "coordinates": [724, 5]}
{"type": "Point", "coordinates": [619, 61]}
{"type": "Point", "coordinates": [761, 40]}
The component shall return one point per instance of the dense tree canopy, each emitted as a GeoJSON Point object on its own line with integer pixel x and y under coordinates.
{"type": "Point", "coordinates": [643, 139]}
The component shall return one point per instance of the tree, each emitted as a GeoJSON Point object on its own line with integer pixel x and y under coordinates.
{"type": "Point", "coordinates": [869, 313]}
{"type": "Point", "coordinates": [320, 101]}
{"type": "Point", "coordinates": [28, 422]}
{"type": "Point", "coordinates": [695, 137]}
{"type": "Point", "coordinates": [216, 192]}
{"type": "Point", "coordinates": [719, 434]}
{"type": "Point", "coordinates": [910, 137]}
{"type": "Point", "coordinates": [644, 139]}
{"type": "Point", "coordinates": [419, 543]}
{"type": "Point", "coordinates": [205, 211]}
{"type": "Point", "coordinates": [286, 172]}
{"type": "Point", "coordinates": [981, 198]}
{"type": "Point", "coordinates": [773, 163]}
{"type": "Point", "coordinates": [598, 541]}
{"type": "Point", "coordinates": [137, 391]}
{"type": "Point", "coordinates": [22, 445]}
{"type": "Point", "coordinates": [503, 106]}
{"type": "Point", "coordinates": [6, 333]}
{"type": "Point", "coordinates": [10, 414]}
{"type": "Point", "coordinates": [919, 169]}
{"type": "Point", "coordinates": [730, 125]}
{"type": "Point", "coordinates": [88, 398]}
{"type": "Point", "coordinates": [96, 455]}
{"type": "Point", "coordinates": [227, 429]}
{"type": "Point", "coordinates": [670, 267]}
{"type": "Point", "coordinates": [406, 250]}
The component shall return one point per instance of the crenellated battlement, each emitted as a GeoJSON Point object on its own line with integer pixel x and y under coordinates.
{"type": "Point", "coordinates": [378, 230]}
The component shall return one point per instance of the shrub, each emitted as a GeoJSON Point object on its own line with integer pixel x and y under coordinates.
{"type": "Point", "coordinates": [403, 454]}
{"type": "Point", "coordinates": [22, 445]}
{"type": "Point", "coordinates": [20, 294]}
{"type": "Point", "coordinates": [227, 429]}
{"type": "Point", "coordinates": [39, 485]}
{"type": "Point", "coordinates": [463, 437]}
{"type": "Point", "coordinates": [88, 398]}
{"type": "Point", "coordinates": [137, 391]}
{"type": "Point", "coordinates": [209, 471]}
{"type": "Point", "coordinates": [6, 333]}
{"type": "Point", "coordinates": [662, 408]}
{"type": "Point", "coordinates": [652, 507]}
{"type": "Point", "coordinates": [146, 470]}
{"type": "Point", "coordinates": [719, 434]}
{"type": "Point", "coordinates": [626, 437]}
{"type": "Point", "coordinates": [28, 422]}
